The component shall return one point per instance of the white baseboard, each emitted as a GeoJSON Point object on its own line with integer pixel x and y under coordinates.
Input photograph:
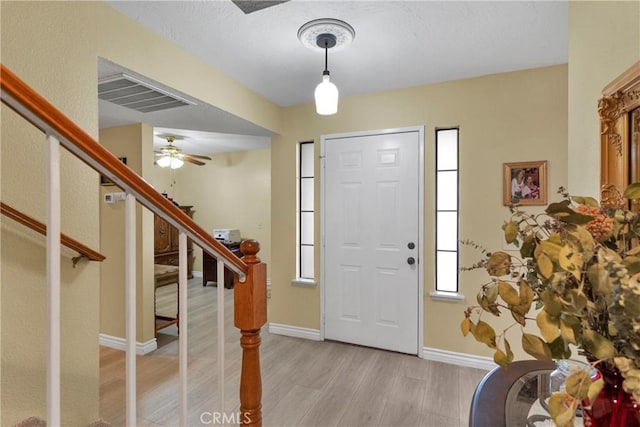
{"type": "Point", "coordinates": [294, 331]}
{"type": "Point", "coordinates": [196, 273]}
{"type": "Point", "coordinates": [121, 344]}
{"type": "Point", "coordinates": [460, 359]}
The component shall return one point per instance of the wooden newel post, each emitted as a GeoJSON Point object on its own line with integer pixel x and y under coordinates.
{"type": "Point", "coordinates": [250, 303]}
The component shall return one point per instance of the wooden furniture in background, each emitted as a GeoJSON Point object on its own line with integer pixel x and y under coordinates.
{"type": "Point", "coordinates": [166, 242]}
{"type": "Point", "coordinates": [619, 110]}
{"type": "Point", "coordinates": [210, 267]}
{"type": "Point", "coordinates": [165, 275]}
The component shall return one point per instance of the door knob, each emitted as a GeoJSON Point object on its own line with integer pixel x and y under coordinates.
{"type": "Point", "coordinates": [411, 260]}
{"type": "Point", "coordinates": [411, 245]}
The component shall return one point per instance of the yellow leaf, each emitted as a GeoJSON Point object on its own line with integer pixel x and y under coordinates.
{"type": "Point", "coordinates": [500, 358]}
{"type": "Point", "coordinates": [562, 414]}
{"type": "Point", "coordinates": [465, 326]}
{"type": "Point", "coordinates": [534, 346]}
{"type": "Point", "coordinates": [557, 403]}
{"type": "Point", "coordinates": [511, 232]}
{"type": "Point", "coordinates": [518, 316]}
{"type": "Point", "coordinates": [507, 348]}
{"type": "Point", "coordinates": [526, 295]}
{"type": "Point", "coordinates": [567, 332]}
{"type": "Point", "coordinates": [599, 279]}
{"type": "Point", "coordinates": [588, 201]}
{"type": "Point", "coordinates": [492, 292]}
{"type": "Point", "coordinates": [597, 345]}
{"type": "Point", "coordinates": [499, 264]}
{"type": "Point", "coordinates": [551, 247]}
{"type": "Point", "coordinates": [484, 333]}
{"type": "Point", "coordinates": [577, 384]}
{"type": "Point", "coordinates": [570, 260]}
{"type": "Point", "coordinates": [632, 192]}
{"type": "Point", "coordinates": [551, 302]}
{"type": "Point", "coordinates": [584, 237]}
{"type": "Point", "coordinates": [545, 266]}
{"type": "Point", "coordinates": [594, 389]}
{"type": "Point", "coordinates": [508, 293]}
{"type": "Point", "coordinates": [548, 325]}
{"type": "Point", "coordinates": [565, 418]}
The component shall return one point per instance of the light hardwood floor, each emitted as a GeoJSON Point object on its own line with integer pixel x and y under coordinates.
{"type": "Point", "coordinates": [305, 383]}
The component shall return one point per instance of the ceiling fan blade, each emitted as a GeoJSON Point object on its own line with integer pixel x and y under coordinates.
{"type": "Point", "coordinates": [194, 161]}
{"type": "Point", "coordinates": [195, 156]}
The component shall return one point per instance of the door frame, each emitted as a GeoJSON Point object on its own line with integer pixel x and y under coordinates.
{"type": "Point", "coordinates": [421, 258]}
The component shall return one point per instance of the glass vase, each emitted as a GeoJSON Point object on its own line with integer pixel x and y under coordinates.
{"type": "Point", "coordinates": [613, 407]}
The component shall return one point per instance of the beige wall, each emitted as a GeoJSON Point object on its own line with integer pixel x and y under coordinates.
{"type": "Point", "coordinates": [130, 142]}
{"type": "Point", "coordinates": [54, 47]}
{"type": "Point", "coordinates": [512, 117]}
{"type": "Point", "coordinates": [509, 117]}
{"type": "Point", "coordinates": [233, 190]}
{"type": "Point", "coordinates": [604, 41]}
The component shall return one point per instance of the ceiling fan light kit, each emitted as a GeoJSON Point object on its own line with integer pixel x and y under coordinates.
{"type": "Point", "coordinates": [173, 157]}
{"type": "Point", "coordinates": [325, 34]}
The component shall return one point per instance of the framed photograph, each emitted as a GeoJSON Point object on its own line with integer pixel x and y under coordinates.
{"type": "Point", "coordinates": [525, 183]}
{"type": "Point", "coordinates": [106, 181]}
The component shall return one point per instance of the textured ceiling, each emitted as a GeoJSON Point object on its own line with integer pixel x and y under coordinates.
{"type": "Point", "coordinates": [398, 44]}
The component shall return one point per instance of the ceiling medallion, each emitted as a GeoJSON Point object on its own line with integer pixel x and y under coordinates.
{"type": "Point", "coordinates": [310, 32]}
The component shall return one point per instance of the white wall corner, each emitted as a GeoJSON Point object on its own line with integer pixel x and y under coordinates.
{"type": "Point", "coordinates": [118, 343]}
{"type": "Point", "coordinates": [295, 331]}
{"type": "Point", "coordinates": [459, 359]}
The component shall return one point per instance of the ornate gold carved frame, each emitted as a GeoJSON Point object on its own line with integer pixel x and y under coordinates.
{"type": "Point", "coordinates": [619, 110]}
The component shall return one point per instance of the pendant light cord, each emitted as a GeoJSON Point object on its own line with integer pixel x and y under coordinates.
{"type": "Point", "coordinates": [326, 57]}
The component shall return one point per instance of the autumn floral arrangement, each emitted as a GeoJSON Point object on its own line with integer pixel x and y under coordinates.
{"type": "Point", "coordinates": [578, 279]}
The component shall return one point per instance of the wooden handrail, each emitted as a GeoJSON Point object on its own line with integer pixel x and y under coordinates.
{"type": "Point", "coordinates": [33, 107]}
{"type": "Point", "coordinates": [41, 228]}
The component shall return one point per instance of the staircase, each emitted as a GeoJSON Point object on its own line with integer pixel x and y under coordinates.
{"type": "Point", "coordinates": [249, 272]}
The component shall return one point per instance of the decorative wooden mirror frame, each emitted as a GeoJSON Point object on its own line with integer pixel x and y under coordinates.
{"type": "Point", "coordinates": [619, 110]}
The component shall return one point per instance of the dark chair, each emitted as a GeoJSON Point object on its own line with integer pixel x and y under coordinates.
{"type": "Point", "coordinates": [488, 405]}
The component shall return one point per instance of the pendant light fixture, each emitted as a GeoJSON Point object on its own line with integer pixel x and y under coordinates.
{"type": "Point", "coordinates": [326, 93]}
{"type": "Point", "coordinates": [326, 34]}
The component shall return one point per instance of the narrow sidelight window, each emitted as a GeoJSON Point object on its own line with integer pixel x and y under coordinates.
{"type": "Point", "coordinates": [447, 187]}
{"type": "Point", "coordinates": [305, 254]}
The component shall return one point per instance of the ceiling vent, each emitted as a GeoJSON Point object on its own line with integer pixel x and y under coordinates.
{"type": "Point", "coordinates": [250, 6]}
{"type": "Point", "coordinates": [132, 93]}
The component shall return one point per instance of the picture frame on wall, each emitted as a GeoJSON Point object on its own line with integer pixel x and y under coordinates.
{"type": "Point", "coordinates": [106, 181]}
{"type": "Point", "coordinates": [525, 183]}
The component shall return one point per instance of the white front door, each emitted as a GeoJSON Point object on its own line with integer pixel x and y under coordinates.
{"type": "Point", "coordinates": [371, 239]}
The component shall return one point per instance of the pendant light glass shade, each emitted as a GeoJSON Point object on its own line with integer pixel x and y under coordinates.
{"type": "Point", "coordinates": [176, 163]}
{"type": "Point", "coordinates": [170, 161]}
{"type": "Point", "coordinates": [164, 161]}
{"type": "Point", "coordinates": [326, 96]}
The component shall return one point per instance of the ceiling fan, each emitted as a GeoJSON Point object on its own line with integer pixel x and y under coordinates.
{"type": "Point", "coordinates": [173, 157]}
